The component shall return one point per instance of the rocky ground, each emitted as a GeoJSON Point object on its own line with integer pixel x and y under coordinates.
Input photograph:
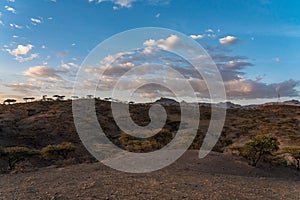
{"type": "Point", "coordinates": [218, 176]}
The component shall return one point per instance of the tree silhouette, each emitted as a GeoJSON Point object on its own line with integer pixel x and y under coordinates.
{"type": "Point", "coordinates": [9, 101]}
{"type": "Point", "coordinates": [74, 97]}
{"type": "Point", "coordinates": [28, 98]}
{"type": "Point", "coordinates": [89, 96]}
{"type": "Point", "coordinates": [58, 97]}
{"type": "Point", "coordinates": [44, 97]}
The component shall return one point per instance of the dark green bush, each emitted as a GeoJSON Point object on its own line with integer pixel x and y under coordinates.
{"type": "Point", "coordinates": [59, 151]}
{"type": "Point", "coordinates": [13, 155]}
{"type": "Point", "coordinates": [134, 144]}
{"type": "Point", "coordinates": [259, 147]}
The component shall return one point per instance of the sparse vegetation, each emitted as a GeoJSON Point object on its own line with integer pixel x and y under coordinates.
{"type": "Point", "coordinates": [9, 101]}
{"type": "Point", "coordinates": [45, 122]}
{"type": "Point", "coordinates": [133, 144]}
{"type": "Point", "coordinates": [59, 151]}
{"type": "Point", "coordinates": [59, 97]}
{"type": "Point", "coordinates": [26, 99]}
{"type": "Point", "coordinates": [259, 147]}
{"type": "Point", "coordinates": [13, 155]}
{"type": "Point", "coordinates": [295, 152]}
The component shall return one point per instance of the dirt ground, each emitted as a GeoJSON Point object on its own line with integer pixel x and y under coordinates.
{"type": "Point", "coordinates": [218, 176]}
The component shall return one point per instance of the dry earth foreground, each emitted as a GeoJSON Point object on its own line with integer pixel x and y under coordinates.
{"type": "Point", "coordinates": [217, 176]}
{"type": "Point", "coordinates": [42, 157]}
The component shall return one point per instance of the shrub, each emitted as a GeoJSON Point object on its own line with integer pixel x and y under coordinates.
{"type": "Point", "coordinates": [58, 151]}
{"type": "Point", "coordinates": [13, 155]}
{"type": "Point", "coordinates": [259, 147]}
{"type": "Point", "coordinates": [149, 144]}
{"type": "Point", "coordinates": [295, 152]}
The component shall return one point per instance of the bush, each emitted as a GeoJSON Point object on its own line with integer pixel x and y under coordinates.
{"type": "Point", "coordinates": [133, 144]}
{"type": "Point", "coordinates": [259, 147]}
{"type": "Point", "coordinates": [13, 155]}
{"type": "Point", "coordinates": [59, 151]}
{"type": "Point", "coordinates": [295, 152]}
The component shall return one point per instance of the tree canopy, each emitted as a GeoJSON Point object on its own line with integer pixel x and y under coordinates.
{"type": "Point", "coordinates": [258, 147]}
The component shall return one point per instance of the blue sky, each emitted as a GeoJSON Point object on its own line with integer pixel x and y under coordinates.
{"type": "Point", "coordinates": [44, 42]}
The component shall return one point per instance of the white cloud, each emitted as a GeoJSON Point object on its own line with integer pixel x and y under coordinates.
{"type": "Point", "coordinates": [69, 65]}
{"type": "Point", "coordinates": [157, 15]}
{"type": "Point", "coordinates": [15, 26]}
{"type": "Point", "coordinates": [23, 88]}
{"type": "Point", "coordinates": [1, 23]}
{"type": "Point", "coordinates": [149, 95]}
{"type": "Point", "coordinates": [277, 60]}
{"type": "Point", "coordinates": [237, 87]}
{"type": "Point", "coordinates": [35, 20]}
{"type": "Point", "coordinates": [43, 72]}
{"type": "Point", "coordinates": [21, 49]}
{"type": "Point", "coordinates": [148, 50]}
{"type": "Point", "coordinates": [120, 3]}
{"type": "Point", "coordinates": [211, 35]}
{"type": "Point", "coordinates": [228, 40]}
{"type": "Point", "coordinates": [209, 30]}
{"type": "Point", "coordinates": [169, 43]}
{"type": "Point", "coordinates": [249, 89]}
{"type": "Point", "coordinates": [196, 37]}
{"type": "Point", "coordinates": [10, 9]}
{"type": "Point", "coordinates": [25, 59]}
{"type": "Point", "coordinates": [237, 64]}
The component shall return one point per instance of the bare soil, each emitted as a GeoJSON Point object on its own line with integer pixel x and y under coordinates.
{"type": "Point", "coordinates": [218, 176]}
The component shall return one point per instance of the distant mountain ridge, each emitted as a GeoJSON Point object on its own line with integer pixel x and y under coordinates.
{"type": "Point", "coordinates": [228, 104]}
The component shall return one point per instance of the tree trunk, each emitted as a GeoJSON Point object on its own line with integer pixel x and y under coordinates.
{"type": "Point", "coordinates": [10, 165]}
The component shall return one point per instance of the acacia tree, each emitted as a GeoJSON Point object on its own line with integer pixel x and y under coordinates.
{"type": "Point", "coordinates": [44, 97]}
{"type": "Point", "coordinates": [59, 97]}
{"type": "Point", "coordinates": [13, 155]}
{"type": "Point", "coordinates": [28, 98]}
{"type": "Point", "coordinates": [260, 146]}
{"type": "Point", "coordinates": [74, 97]}
{"type": "Point", "coordinates": [9, 101]}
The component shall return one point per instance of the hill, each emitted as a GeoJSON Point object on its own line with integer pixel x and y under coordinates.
{"type": "Point", "coordinates": [38, 124]}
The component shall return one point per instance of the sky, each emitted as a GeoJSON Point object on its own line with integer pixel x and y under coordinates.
{"type": "Point", "coordinates": [254, 44]}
